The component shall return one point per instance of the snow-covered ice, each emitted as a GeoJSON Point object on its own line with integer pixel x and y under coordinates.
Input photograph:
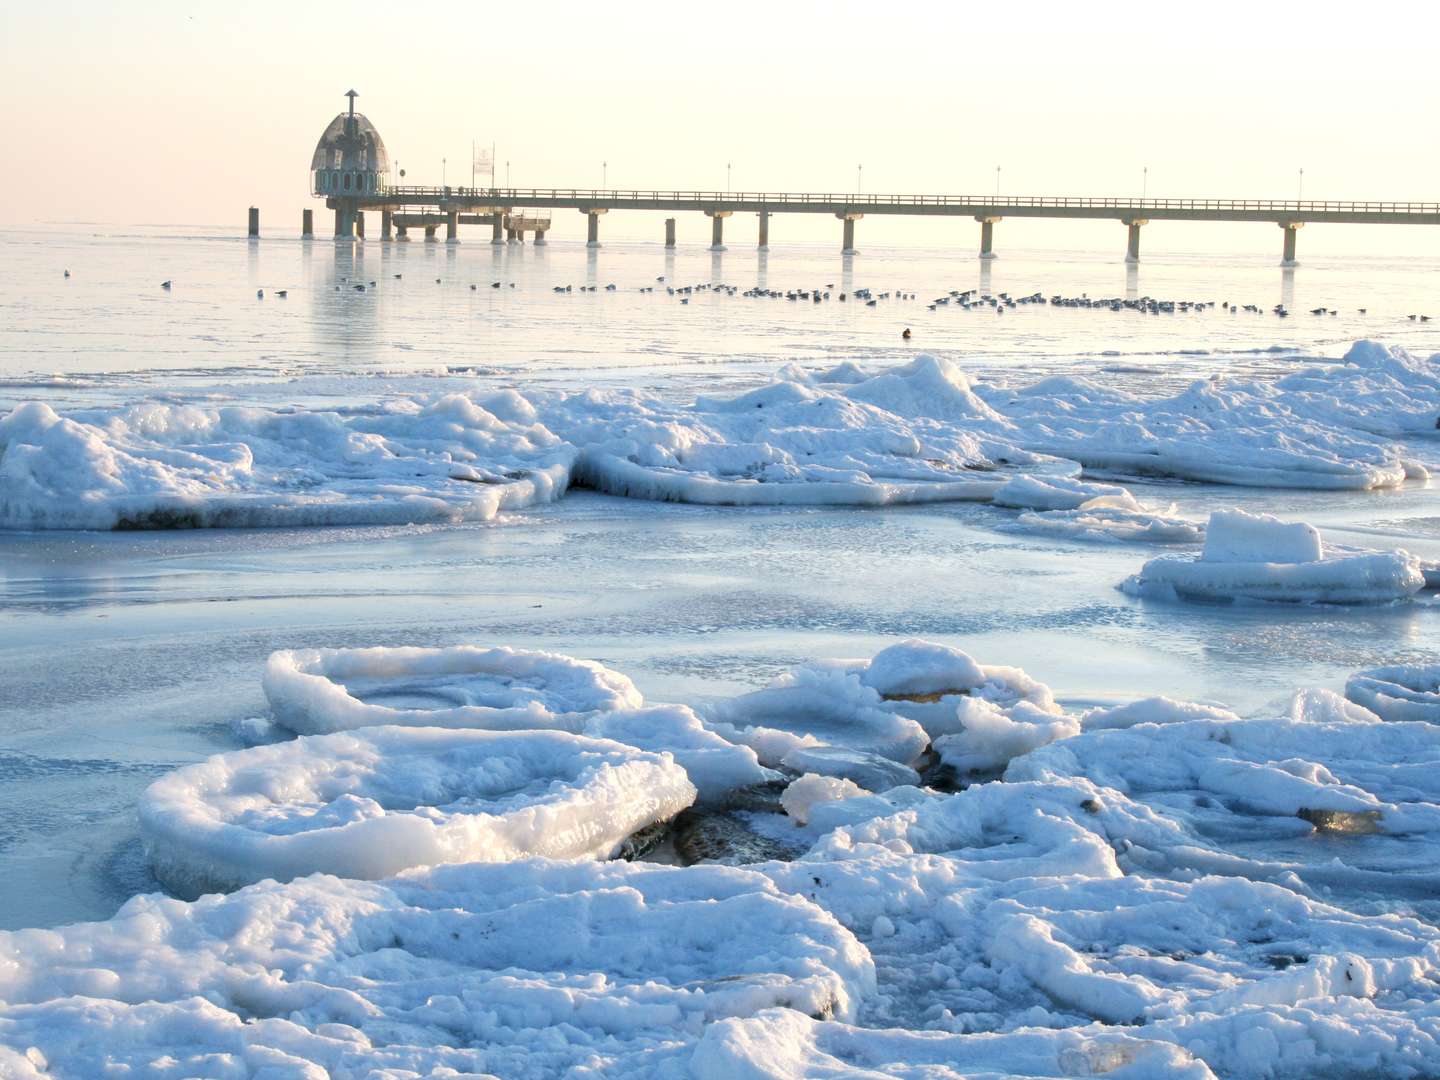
{"type": "Point", "coordinates": [1258, 557]}
{"type": "Point", "coordinates": [1401, 692]}
{"type": "Point", "coordinates": [316, 691]}
{"type": "Point", "coordinates": [368, 804]}
{"type": "Point", "coordinates": [517, 970]}
{"type": "Point", "coordinates": [160, 465]}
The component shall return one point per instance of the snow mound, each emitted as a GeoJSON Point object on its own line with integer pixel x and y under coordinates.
{"type": "Point", "coordinates": [894, 705]}
{"type": "Point", "coordinates": [1056, 493]}
{"type": "Point", "coordinates": [368, 804]}
{"type": "Point", "coordinates": [794, 442]}
{"type": "Point", "coordinates": [781, 1044]}
{"type": "Point", "coordinates": [1250, 796]}
{"type": "Point", "coordinates": [1005, 906]}
{"type": "Point", "coordinates": [870, 771]}
{"type": "Point", "coordinates": [159, 465]}
{"type": "Point", "coordinates": [1405, 692]}
{"type": "Point", "coordinates": [1112, 519]}
{"type": "Point", "coordinates": [521, 970]}
{"type": "Point", "coordinates": [317, 691]}
{"type": "Point", "coordinates": [715, 765]}
{"type": "Point", "coordinates": [1258, 557]}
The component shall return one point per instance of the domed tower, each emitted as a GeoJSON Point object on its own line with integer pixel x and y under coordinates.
{"type": "Point", "coordinates": [350, 165]}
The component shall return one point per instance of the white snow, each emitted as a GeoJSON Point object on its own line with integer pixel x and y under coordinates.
{"type": "Point", "coordinates": [316, 691]}
{"type": "Point", "coordinates": [1258, 557]}
{"type": "Point", "coordinates": [1402, 692]}
{"type": "Point", "coordinates": [521, 970]}
{"type": "Point", "coordinates": [159, 465]}
{"type": "Point", "coordinates": [368, 804]}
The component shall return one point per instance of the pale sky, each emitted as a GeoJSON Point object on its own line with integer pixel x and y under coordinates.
{"type": "Point", "coordinates": [186, 113]}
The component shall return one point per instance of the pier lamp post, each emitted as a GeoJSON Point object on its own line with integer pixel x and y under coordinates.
{"type": "Point", "coordinates": [859, 175]}
{"type": "Point", "coordinates": [997, 181]}
{"type": "Point", "coordinates": [727, 178]}
{"type": "Point", "coordinates": [1144, 182]}
{"type": "Point", "coordinates": [442, 172]}
{"type": "Point", "coordinates": [1300, 189]}
{"type": "Point", "coordinates": [507, 175]}
{"type": "Point", "coordinates": [604, 175]}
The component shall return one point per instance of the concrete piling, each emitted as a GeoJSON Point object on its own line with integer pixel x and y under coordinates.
{"type": "Point", "coordinates": [254, 223]}
{"type": "Point", "coordinates": [1132, 244]}
{"type": "Point", "coordinates": [717, 228]}
{"type": "Point", "coordinates": [987, 236]}
{"type": "Point", "coordinates": [764, 230]}
{"type": "Point", "coordinates": [669, 232]}
{"type": "Point", "coordinates": [452, 227]}
{"type": "Point", "coordinates": [847, 244]}
{"type": "Point", "coordinates": [1290, 228]}
{"type": "Point", "coordinates": [497, 229]}
{"type": "Point", "coordinates": [360, 225]}
{"type": "Point", "coordinates": [402, 234]}
{"type": "Point", "coordinates": [430, 233]}
{"type": "Point", "coordinates": [592, 225]}
{"type": "Point", "coordinates": [387, 222]}
{"type": "Point", "coordinates": [307, 224]}
{"type": "Point", "coordinates": [540, 240]}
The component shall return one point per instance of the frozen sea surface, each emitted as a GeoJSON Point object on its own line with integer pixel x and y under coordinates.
{"type": "Point", "coordinates": [124, 656]}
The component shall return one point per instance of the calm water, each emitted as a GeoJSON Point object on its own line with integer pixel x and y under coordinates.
{"type": "Point", "coordinates": [124, 655]}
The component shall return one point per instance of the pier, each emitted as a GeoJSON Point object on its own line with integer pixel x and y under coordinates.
{"type": "Point", "coordinates": [351, 171]}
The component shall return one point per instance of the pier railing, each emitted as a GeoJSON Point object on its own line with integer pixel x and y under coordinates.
{"type": "Point", "coordinates": [780, 200]}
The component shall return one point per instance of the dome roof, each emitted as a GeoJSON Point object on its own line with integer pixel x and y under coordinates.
{"type": "Point", "coordinates": [351, 142]}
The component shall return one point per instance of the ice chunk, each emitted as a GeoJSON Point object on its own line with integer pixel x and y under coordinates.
{"type": "Point", "coordinates": [811, 789]}
{"type": "Point", "coordinates": [1236, 536]}
{"type": "Point", "coordinates": [715, 765]}
{"type": "Point", "coordinates": [1060, 493]}
{"type": "Point", "coordinates": [1112, 519]}
{"type": "Point", "coordinates": [1258, 557]}
{"type": "Point", "coordinates": [158, 465]}
{"type": "Point", "coordinates": [781, 1044]}
{"type": "Point", "coordinates": [368, 804]}
{"type": "Point", "coordinates": [524, 970]}
{"type": "Point", "coordinates": [871, 771]}
{"type": "Point", "coordinates": [315, 691]}
{"type": "Point", "coordinates": [1402, 692]}
{"type": "Point", "coordinates": [991, 735]}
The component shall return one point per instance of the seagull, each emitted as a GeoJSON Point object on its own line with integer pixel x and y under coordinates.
{"type": "Point", "coordinates": [67, 273]}
{"type": "Point", "coordinates": [398, 277]}
{"type": "Point", "coordinates": [259, 294]}
{"type": "Point", "coordinates": [283, 293]}
{"type": "Point", "coordinates": [165, 284]}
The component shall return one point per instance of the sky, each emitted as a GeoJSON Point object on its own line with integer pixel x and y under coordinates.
{"type": "Point", "coordinates": [186, 113]}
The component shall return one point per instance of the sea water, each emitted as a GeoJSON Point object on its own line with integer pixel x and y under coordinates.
{"type": "Point", "coordinates": [125, 655]}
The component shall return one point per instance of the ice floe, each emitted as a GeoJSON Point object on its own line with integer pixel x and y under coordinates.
{"type": "Point", "coordinates": [1252, 796]}
{"type": "Point", "coordinates": [316, 691]}
{"type": "Point", "coordinates": [798, 441]}
{"type": "Point", "coordinates": [1258, 557]}
{"type": "Point", "coordinates": [518, 970]}
{"type": "Point", "coordinates": [368, 804]}
{"type": "Point", "coordinates": [159, 465]}
{"type": "Point", "coordinates": [1402, 692]}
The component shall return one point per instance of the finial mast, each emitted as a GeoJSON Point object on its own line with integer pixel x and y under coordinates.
{"type": "Point", "coordinates": [352, 95]}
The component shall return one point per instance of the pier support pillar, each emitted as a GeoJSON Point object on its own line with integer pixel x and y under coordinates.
{"type": "Point", "coordinates": [360, 225]}
{"type": "Point", "coordinates": [345, 220]}
{"type": "Point", "coordinates": [497, 229]}
{"type": "Point", "coordinates": [717, 228]}
{"type": "Point", "coordinates": [764, 230]}
{"type": "Point", "coordinates": [1290, 228]}
{"type": "Point", "coordinates": [509, 236]}
{"type": "Point", "coordinates": [847, 245]}
{"type": "Point", "coordinates": [402, 234]}
{"type": "Point", "coordinates": [307, 224]}
{"type": "Point", "coordinates": [592, 225]}
{"type": "Point", "coordinates": [254, 223]}
{"type": "Point", "coordinates": [452, 227]}
{"type": "Point", "coordinates": [669, 232]}
{"type": "Point", "coordinates": [387, 222]}
{"type": "Point", "coordinates": [1132, 245]}
{"type": "Point", "coordinates": [430, 233]}
{"type": "Point", "coordinates": [540, 240]}
{"type": "Point", "coordinates": [987, 236]}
